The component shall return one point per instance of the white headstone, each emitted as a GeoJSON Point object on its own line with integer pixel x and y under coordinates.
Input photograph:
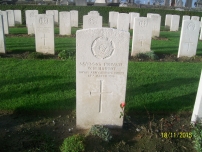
{"type": "Point", "coordinates": [5, 21]}
{"type": "Point", "coordinates": [156, 24]}
{"type": "Point", "coordinates": [168, 21]}
{"type": "Point", "coordinates": [18, 16]}
{"type": "Point", "coordinates": [92, 21]}
{"type": "Point", "coordinates": [30, 20]}
{"type": "Point", "coordinates": [132, 16]}
{"type": "Point", "coordinates": [200, 37]}
{"type": "Point", "coordinates": [186, 17]}
{"type": "Point", "coordinates": [175, 20]}
{"type": "Point", "coordinates": [195, 18]}
{"type": "Point", "coordinates": [11, 19]}
{"type": "Point", "coordinates": [44, 34]}
{"type": "Point", "coordinates": [55, 13]}
{"type": "Point", "coordinates": [96, 13]}
{"type": "Point", "coordinates": [2, 40]}
{"type": "Point", "coordinates": [189, 38]}
{"type": "Point", "coordinates": [123, 21]}
{"type": "Point", "coordinates": [110, 17]}
{"type": "Point", "coordinates": [142, 35]}
{"type": "Point", "coordinates": [197, 111]}
{"type": "Point", "coordinates": [65, 23]}
{"type": "Point", "coordinates": [113, 18]}
{"type": "Point", "coordinates": [74, 18]}
{"type": "Point", "coordinates": [101, 74]}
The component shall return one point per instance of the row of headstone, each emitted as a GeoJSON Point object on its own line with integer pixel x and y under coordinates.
{"type": "Point", "coordinates": [68, 21]}
{"type": "Point", "coordinates": [14, 17]}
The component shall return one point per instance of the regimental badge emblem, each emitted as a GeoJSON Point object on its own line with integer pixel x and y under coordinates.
{"type": "Point", "coordinates": [102, 48]}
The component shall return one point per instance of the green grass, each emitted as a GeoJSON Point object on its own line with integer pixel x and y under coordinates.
{"type": "Point", "coordinates": [27, 84]}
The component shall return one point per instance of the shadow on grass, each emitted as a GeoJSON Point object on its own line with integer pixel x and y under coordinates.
{"type": "Point", "coordinates": [160, 86]}
{"type": "Point", "coordinates": [177, 104]}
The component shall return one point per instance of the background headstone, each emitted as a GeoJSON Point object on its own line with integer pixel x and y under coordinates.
{"type": "Point", "coordinates": [30, 20]}
{"type": "Point", "coordinates": [188, 38]}
{"type": "Point", "coordinates": [55, 13]}
{"type": "Point", "coordinates": [44, 34]}
{"type": "Point", "coordinates": [18, 16]}
{"type": "Point", "coordinates": [168, 21]}
{"type": "Point", "coordinates": [74, 18]}
{"type": "Point", "coordinates": [156, 24]}
{"type": "Point", "coordinates": [65, 23]}
{"type": "Point", "coordinates": [2, 40]}
{"type": "Point", "coordinates": [94, 13]}
{"type": "Point", "coordinates": [101, 74]}
{"type": "Point", "coordinates": [114, 17]}
{"type": "Point", "coordinates": [195, 18]}
{"type": "Point", "coordinates": [200, 37]}
{"type": "Point", "coordinates": [175, 20]}
{"type": "Point", "coordinates": [197, 111]}
{"type": "Point", "coordinates": [11, 19]}
{"type": "Point", "coordinates": [186, 17]}
{"type": "Point", "coordinates": [132, 15]}
{"type": "Point", "coordinates": [5, 21]}
{"type": "Point", "coordinates": [91, 21]}
{"type": "Point", "coordinates": [123, 21]}
{"type": "Point", "coordinates": [142, 35]}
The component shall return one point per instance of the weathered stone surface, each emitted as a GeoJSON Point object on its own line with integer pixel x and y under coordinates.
{"type": "Point", "coordinates": [5, 21]}
{"type": "Point", "coordinates": [132, 15]}
{"type": "Point", "coordinates": [101, 74]}
{"type": "Point", "coordinates": [18, 16]}
{"type": "Point", "coordinates": [74, 18]}
{"type": "Point", "coordinates": [113, 19]}
{"type": "Point", "coordinates": [175, 20]}
{"type": "Point", "coordinates": [30, 20]}
{"type": "Point", "coordinates": [123, 21]}
{"type": "Point", "coordinates": [142, 35]}
{"type": "Point", "coordinates": [44, 34]}
{"type": "Point", "coordinates": [11, 19]}
{"type": "Point", "coordinates": [197, 111]}
{"type": "Point", "coordinates": [65, 23]}
{"type": "Point", "coordinates": [55, 14]}
{"type": "Point", "coordinates": [2, 40]}
{"type": "Point", "coordinates": [168, 21]}
{"type": "Point", "coordinates": [92, 21]}
{"type": "Point", "coordinates": [189, 38]}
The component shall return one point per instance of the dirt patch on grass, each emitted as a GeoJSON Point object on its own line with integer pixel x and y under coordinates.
{"type": "Point", "coordinates": [45, 131]}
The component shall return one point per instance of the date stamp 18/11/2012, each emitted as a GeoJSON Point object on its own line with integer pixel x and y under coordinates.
{"type": "Point", "coordinates": [180, 135]}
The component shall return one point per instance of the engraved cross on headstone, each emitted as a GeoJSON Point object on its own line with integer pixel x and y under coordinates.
{"type": "Point", "coordinates": [44, 39]}
{"type": "Point", "coordinates": [141, 40]}
{"type": "Point", "coordinates": [100, 94]}
{"type": "Point", "coordinates": [189, 43]}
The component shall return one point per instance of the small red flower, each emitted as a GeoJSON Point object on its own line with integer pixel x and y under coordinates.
{"type": "Point", "coordinates": [123, 104]}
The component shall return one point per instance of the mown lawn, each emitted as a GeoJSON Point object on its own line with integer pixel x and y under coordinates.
{"type": "Point", "coordinates": [50, 84]}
